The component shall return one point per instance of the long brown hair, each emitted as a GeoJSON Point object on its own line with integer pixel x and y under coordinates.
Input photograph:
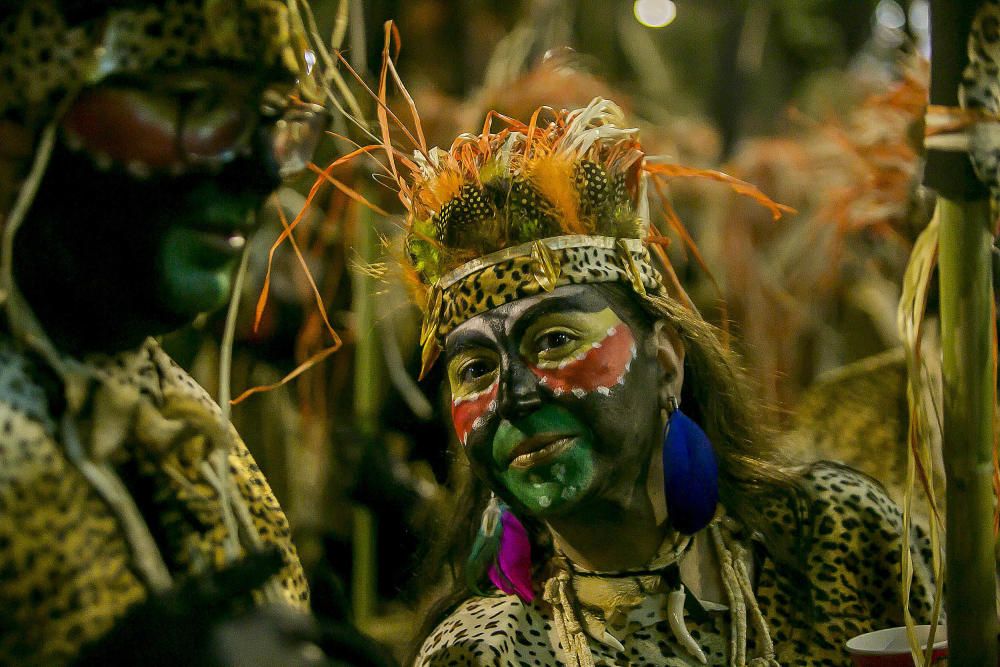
{"type": "Point", "coordinates": [716, 394]}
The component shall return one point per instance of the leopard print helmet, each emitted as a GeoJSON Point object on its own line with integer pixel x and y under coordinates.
{"type": "Point", "coordinates": [52, 49]}
{"type": "Point", "coordinates": [49, 48]}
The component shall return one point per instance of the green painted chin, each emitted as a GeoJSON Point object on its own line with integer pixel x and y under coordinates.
{"type": "Point", "coordinates": [197, 271]}
{"type": "Point", "coordinates": [549, 487]}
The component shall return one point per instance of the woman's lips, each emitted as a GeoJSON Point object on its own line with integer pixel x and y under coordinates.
{"type": "Point", "coordinates": [140, 132]}
{"type": "Point", "coordinates": [539, 449]}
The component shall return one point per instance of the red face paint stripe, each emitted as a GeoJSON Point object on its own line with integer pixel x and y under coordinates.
{"type": "Point", "coordinates": [599, 369]}
{"type": "Point", "coordinates": [467, 411]}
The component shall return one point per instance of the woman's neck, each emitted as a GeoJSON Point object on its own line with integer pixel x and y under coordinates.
{"type": "Point", "coordinates": [605, 541]}
{"type": "Point", "coordinates": [609, 535]}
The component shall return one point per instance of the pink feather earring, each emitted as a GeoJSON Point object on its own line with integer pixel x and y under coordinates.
{"type": "Point", "coordinates": [502, 551]}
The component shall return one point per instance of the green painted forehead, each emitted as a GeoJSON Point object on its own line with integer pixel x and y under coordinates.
{"type": "Point", "coordinates": [47, 51]}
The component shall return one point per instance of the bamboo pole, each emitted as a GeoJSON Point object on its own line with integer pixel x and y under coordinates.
{"type": "Point", "coordinates": [367, 400]}
{"type": "Point", "coordinates": [967, 324]}
{"type": "Point", "coordinates": [966, 338]}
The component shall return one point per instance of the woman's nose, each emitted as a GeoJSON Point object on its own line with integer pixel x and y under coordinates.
{"type": "Point", "coordinates": [519, 393]}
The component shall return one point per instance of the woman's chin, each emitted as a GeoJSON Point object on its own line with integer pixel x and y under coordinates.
{"type": "Point", "coordinates": [549, 500]}
{"type": "Point", "coordinates": [196, 291]}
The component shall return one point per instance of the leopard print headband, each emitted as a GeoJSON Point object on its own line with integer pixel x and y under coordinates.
{"type": "Point", "coordinates": [527, 270]}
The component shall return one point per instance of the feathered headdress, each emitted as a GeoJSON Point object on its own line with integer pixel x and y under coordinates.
{"type": "Point", "coordinates": [512, 212]}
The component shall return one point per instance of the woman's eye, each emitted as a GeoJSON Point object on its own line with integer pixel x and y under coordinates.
{"type": "Point", "coordinates": [474, 370]}
{"type": "Point", "coordinates": [553, 340]}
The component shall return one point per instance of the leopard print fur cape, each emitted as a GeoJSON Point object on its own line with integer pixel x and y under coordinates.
{"type": "Point", "coordinates": [66, 569]}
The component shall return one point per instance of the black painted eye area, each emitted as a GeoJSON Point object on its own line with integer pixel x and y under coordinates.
{"type": "Point", "coordinates": [476, 369]}
{"type": "Point", "coordinates": [553, 340]}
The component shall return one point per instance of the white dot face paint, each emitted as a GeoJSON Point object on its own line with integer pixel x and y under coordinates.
{"type": "Point", "coordinates": [599, 369]}
{"type": "Point", "coordinates": [579, 349]}
{"type": "Point", "coordinates": [469, 412]}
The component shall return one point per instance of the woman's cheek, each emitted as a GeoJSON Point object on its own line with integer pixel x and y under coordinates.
{"type": "Point", "coordinates": [469, 413]}
{"type": "Point", "coordinates": [600, 367]}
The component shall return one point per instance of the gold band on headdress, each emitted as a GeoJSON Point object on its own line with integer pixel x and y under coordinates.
{"type": "Point", "coordinates": [529, 269]}
{"type": "Point", "coordinates": [540, 266]}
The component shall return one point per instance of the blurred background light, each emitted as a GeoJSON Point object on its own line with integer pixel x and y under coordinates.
{"type": "Point", "coordinates": [655, 13]}
{"type": "Point", "coordinates": [920, 26]}
{"type": "Point", "coordinates": [890, 14]}
{"type": "Point", "coordinates": [920, 15]}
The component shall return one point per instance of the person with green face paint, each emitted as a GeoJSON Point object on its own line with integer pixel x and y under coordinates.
{"type": "Point", "coordinates": [625, 505]}
{"type": "Point", "coordinates": [137, 142]}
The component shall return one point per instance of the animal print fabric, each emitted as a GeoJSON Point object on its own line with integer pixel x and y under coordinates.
{"type": "Point", "coordinates": [978, 90]}
{"type": "Point", "coordinates": [66, 571]}
{"type": "Point", "coordinates": [847, 535]}
{"type": "Point", "coordinates": [858, 415]}
{"type": "Point", "coordinates": [575, 259]}
{"type": "Point", "coordinates": [43, 55]}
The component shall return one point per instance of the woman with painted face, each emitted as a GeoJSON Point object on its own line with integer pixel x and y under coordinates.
{"type": "Point", "coordinates": [624, 505]}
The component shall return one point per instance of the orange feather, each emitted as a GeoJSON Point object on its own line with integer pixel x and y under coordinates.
{"type": "Point", "coordinates": [553, 178]}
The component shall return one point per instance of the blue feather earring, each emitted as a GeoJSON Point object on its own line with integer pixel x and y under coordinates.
{"type": "Point", "coordinates": [690, 473]}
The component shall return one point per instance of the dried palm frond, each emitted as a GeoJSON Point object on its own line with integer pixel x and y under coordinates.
{"type": "Point", "coordinates": [919, 468]}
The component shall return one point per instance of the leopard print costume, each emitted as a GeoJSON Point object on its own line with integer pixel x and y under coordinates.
{"type": "Point", "coordinates": [526, 270]}
{"type": "Point", "coordinates": [107, 491]}
{"type": "Point", "coordinates": [858, 415]}
{"type": "Point", "coordinates": [978, 91]}
{"type": "Point", "coordinates": [48, 51]}
{"type": "Point", "coordinates": [847, 534]}
{"type": "Point", "coordinates": [66, 570]}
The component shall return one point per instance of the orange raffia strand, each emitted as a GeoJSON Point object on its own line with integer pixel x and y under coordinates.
{"type": "Point", "coordinates": [674, 281]}
{"type": "Point", "coordinates": [659, 243]}
{"type": "Point", "coordinates": [737, 186]}
{"type": "Point", "coordinates": [369, 149]}
{"type": "Point", "coordinates": [324, 175]}
{"type": "Point", "coordinates": [670, 215]}
{"type": "Point", "coordinates": [672, 219]}
{"type": "Point", "coordinates": [467, 159]}
{"type": "Point", "coordinates": [512, 124]}
{"type": "Point", "coordinates": [384, 111]}
{"type": "Point", "coordinates": [266, 288]}
{"type": "Point", "coordinates": [312, 283]}
{"type": "Point", "coordinates": [530, 134]}
{"type": "Point", "coordinates": [313, 390]}
{"type": "Point", "coordinates": [319, 356]}
{"type": "Point", "coordinates": [393, 33]}
{"type": "Point", "coordinates": [402, 157]}
{"type": "Point", "coordinates": [299, 370]}
{"type": "Point", "coordinates": [346, 189]}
